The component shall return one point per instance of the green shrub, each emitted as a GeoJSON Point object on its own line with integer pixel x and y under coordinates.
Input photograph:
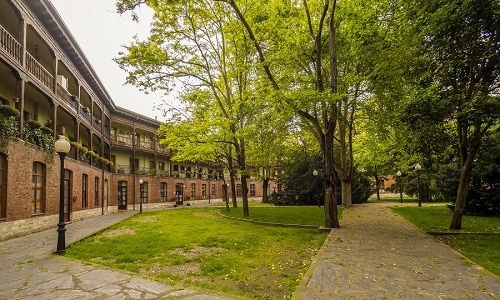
{"type": "Point", "coordinates": [8, 111]}
{"type": "Point", "coordinates": [9, 122]}
{"type": "Point", "coordinates": [36, 134]}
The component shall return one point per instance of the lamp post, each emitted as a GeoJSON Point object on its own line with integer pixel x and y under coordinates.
{"type": "Point", "coordinates": [209, 189]}
{"type": "Point", "coordinates": [418, 168]}
{"type": "Point", "coordinates": [62, 147]}
{"type": "Point", "coordinates": [400, 191]}
{"type": "Point", "coordinates": [315, 174]}
{"type": "Point", "coordinates": [141, 191]}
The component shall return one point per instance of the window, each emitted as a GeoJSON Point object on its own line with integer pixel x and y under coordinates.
{"type": "Point", "coordinates": [85, 185]}
{"type": "Point", "coordinates": [238, 190]}
{"type": "Point", "coordinates": [252, 190]}
{"type": "Point", "coordinates": [203, 191]}
{"type": "Point", "coordinates": [144, 194]}
{"type": "Point", "coordinates": [122, 192]}
{"type": "Point", "coordinates": [193, 191]}
{"type": "Point", "coordinates": [161, 166]}
{"type": "Point", "coordinates": [3, 187]}
{"type": "Point", "coordinates": [38, 188]}
{"type": "Point", "coordinates": [163, 192]}
{"type": "Point", "coordinates": [213, 190]}
{"type": "Point", "coordinates": [133, 164]}
{"type": "Point", "coordinates": [96, 192]}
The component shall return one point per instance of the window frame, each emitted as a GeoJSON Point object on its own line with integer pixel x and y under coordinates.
{"type": "Point", "coordinates": [38, 188]}
{"type": "Point", "coordinates": [85, 190]}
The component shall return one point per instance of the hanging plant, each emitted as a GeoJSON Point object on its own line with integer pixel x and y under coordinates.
{"type": "Point", "coordinates": [8, 111]}
{"type": "Point", "coordinates": [93, 154]}
{"type": "Point", "coordinates": [9, 123]}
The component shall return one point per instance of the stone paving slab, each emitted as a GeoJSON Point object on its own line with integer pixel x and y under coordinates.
{"type": "Point", "coordinates": [379, 255]}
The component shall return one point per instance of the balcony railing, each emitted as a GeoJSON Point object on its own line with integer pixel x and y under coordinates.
{"type": "Point", "coordinates": [86, 115]}
{"type": "Point", "coordinates": [122, 169]}
{"type": "Point", "coordinates": [64, 95]}
{"type": "Point", "coordinates": [97, 124]}
{"type": "Point", "coordinates": [146, 145]}
{"type": "Point", "coordinates": [9, 44]}
{"type": "Point", "coordinates": [126, 141]}
{"type": "Point", "coordinates": [35, 68]}
{"type": "Point", "coordinates": [123, 140]}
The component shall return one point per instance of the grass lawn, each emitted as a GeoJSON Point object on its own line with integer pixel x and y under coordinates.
{"type": "Point", "coordinates": [479, 246]}
{"type": "Point", "coordinates": [197, 247]}
{"type": "Point", "coordinates": [302, 215]}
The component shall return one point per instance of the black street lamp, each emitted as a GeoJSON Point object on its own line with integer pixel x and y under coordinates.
{"type": "Point", "coordinates": [400, 191]}
{"type": "Point", "coordinates": [209, 189]}
{"type": "Point", "coordinates": [141, 188]}
{"type": "Point", "coordinates": [418, 168]}
{"type": "Point", "coordinates": [315, 174]}
{"type": "Point", "coordinates": [62, 147]}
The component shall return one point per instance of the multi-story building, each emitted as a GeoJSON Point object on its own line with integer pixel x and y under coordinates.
{"type": "Point", "coordinates": [51, 88]}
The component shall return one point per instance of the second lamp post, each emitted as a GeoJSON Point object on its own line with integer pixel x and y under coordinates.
{"type": "Point", "coordinates": [141, 191]}
{"type": "Point", "coordinates": [400, 187]}
{"type": "Point", "coordinates": [418, 168]}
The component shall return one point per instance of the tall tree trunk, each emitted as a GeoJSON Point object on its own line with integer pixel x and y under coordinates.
{"type": "Point", "coordinates": [240, 150]}
{"type": "Point", "coordinates": [330, 123]}
{"type": "Point", "coordinates": [329, 178]}
{"type": "Point", "coordinates": [244, 195]}
{"type": "Point", "coordinates": [377, 183]}
{"type": "Point", "coordinates": [344, 168]}
{"type": "Point", "coordinates": [265, 187]}
{"type": "Point", "coordinates": [469, 145]}
{"type": "Point", "coordinates": [233, 189]}
{"type": "Point", "coordinates": [463, 186]}
{"type": "Point", "coordinates": [346, 192]}
{"type": "Point", "coordinates": [224, 195]}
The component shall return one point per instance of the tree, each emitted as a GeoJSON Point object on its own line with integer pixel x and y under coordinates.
{"type": "Point", "coordinates": [314, 100]}
{"type": "Point", "coordinates": [266, 143]}
{"type": "Point", "coordinates": [197, 45]}
{"type": "Point", "coordinates": [459, 44]}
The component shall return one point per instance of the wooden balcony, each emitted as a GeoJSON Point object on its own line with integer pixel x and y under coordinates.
{"type": "Point", "coordinates": [37, 70]}
{"type": "Point", "coordinates": [10, 45]}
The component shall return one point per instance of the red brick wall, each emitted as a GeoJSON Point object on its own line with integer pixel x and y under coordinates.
{"type": "Point", "coordinates": [20, 157]}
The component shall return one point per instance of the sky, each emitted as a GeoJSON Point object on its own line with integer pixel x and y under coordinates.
{"type": "Point", "coordinates": [101, 32]}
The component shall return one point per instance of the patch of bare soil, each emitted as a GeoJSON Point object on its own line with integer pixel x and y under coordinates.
{"type": "Point", "coordinates": [118, 232]}
{"type": "Point", "coordinates": [150, 219]}
{"type": "Point", "coordinates": [206, 214]}
{"type": "Point", "coordinates": [183, 270]}
{"type": "Point", "coordinates": [196, 252]}
{"type": "Point", "coordinates": [447, 239]}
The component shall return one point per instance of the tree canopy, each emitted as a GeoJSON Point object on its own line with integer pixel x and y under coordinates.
{"type": "Point", "coordinates": [378, 85]}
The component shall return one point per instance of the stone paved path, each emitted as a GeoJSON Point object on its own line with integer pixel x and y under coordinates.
{"type": "Point", "coordinates": [379, 255]}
